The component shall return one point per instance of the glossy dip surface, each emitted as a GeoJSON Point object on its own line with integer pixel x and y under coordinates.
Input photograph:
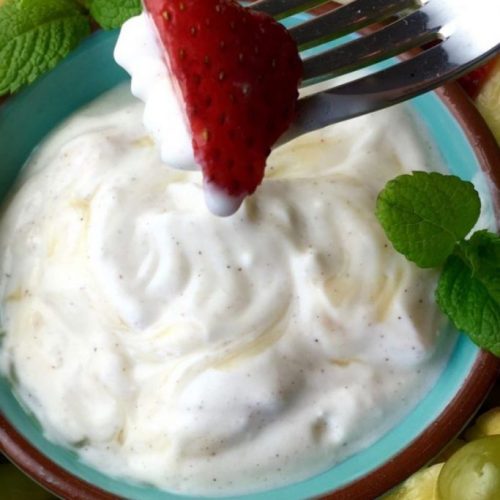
{"type": "Point", "coordinates": [206, 355]}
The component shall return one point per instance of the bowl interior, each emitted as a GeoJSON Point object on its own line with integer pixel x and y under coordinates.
{"type": "Point", "coordinates": [25, 120]}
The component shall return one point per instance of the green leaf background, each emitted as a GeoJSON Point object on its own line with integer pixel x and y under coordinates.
{"type": "Point", "coordinates": [112, 14]}
{"type": "Point", "coordinates": [34, 36]}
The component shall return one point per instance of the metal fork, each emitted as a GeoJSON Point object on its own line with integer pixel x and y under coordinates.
{"type": "Point", "coordinates": [455, 35]}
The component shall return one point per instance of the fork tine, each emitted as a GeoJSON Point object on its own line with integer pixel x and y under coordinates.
{"type": "Point", "coordinates": [284, 8]}
{"type": "Point", "coordinates": [407, 33]}
{"type": "Point", "coordinates": [347, 19]}
{"type": "Point", "coordinates": [407, 79]}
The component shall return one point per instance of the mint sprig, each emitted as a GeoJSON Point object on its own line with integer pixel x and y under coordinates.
{"type": "Point", "coordinates": [465, 298]}
{"type": "Point", "coordinates": [112, 14]}
{"type": "Point", "coordinates": [35, 35]}
{"type": "Point", "coordinates": [427, 216]}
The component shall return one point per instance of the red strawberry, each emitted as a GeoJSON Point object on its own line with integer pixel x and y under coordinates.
{"type": "Point", "coordinates": [238, 72]}
{"type": "Point", "coordinates": [473, 81]}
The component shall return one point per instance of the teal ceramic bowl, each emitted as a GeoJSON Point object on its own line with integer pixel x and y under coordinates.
{"type": "Point", "coordinates": [465, 145]}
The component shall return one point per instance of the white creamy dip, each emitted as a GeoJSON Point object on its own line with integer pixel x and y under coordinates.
{"type": "Point", "coordinates": [208, 355]}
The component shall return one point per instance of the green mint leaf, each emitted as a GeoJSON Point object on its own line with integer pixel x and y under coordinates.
{"type": "Point", "coordinates": [112, 14]}
{"type": "Point", "coordinates": [468, 291]}
{"type": "Point", "coordinates": [34, 36]}
{"type": "Point", "coordinates": [425, 214]}
{"type": "Point", "coordinates": [482, 254]}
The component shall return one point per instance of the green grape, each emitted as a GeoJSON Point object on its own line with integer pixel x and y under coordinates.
{"type": "Point", "coordinates": [488, 424]}
{"type": "Point", "coordinates": [421, 486]}
{"type": "Point", "coordinates": [473, 472]}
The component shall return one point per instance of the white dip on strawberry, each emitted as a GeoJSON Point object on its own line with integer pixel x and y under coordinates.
{"type": "Point", "coordinates": [246, 71]}
{"type": "Point", "coordinates": [138, 51]}
{"type": "Point", "coordinates": [202, 354]}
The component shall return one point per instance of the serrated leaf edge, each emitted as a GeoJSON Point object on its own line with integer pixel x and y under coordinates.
{"type": "Point", "coordinates": [13, 87]}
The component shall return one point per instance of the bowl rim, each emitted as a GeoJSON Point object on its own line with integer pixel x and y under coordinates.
{"type": "Point", "coordinates": [448, 424]}
{"type": "Point", "coordinates": [426, 446]}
